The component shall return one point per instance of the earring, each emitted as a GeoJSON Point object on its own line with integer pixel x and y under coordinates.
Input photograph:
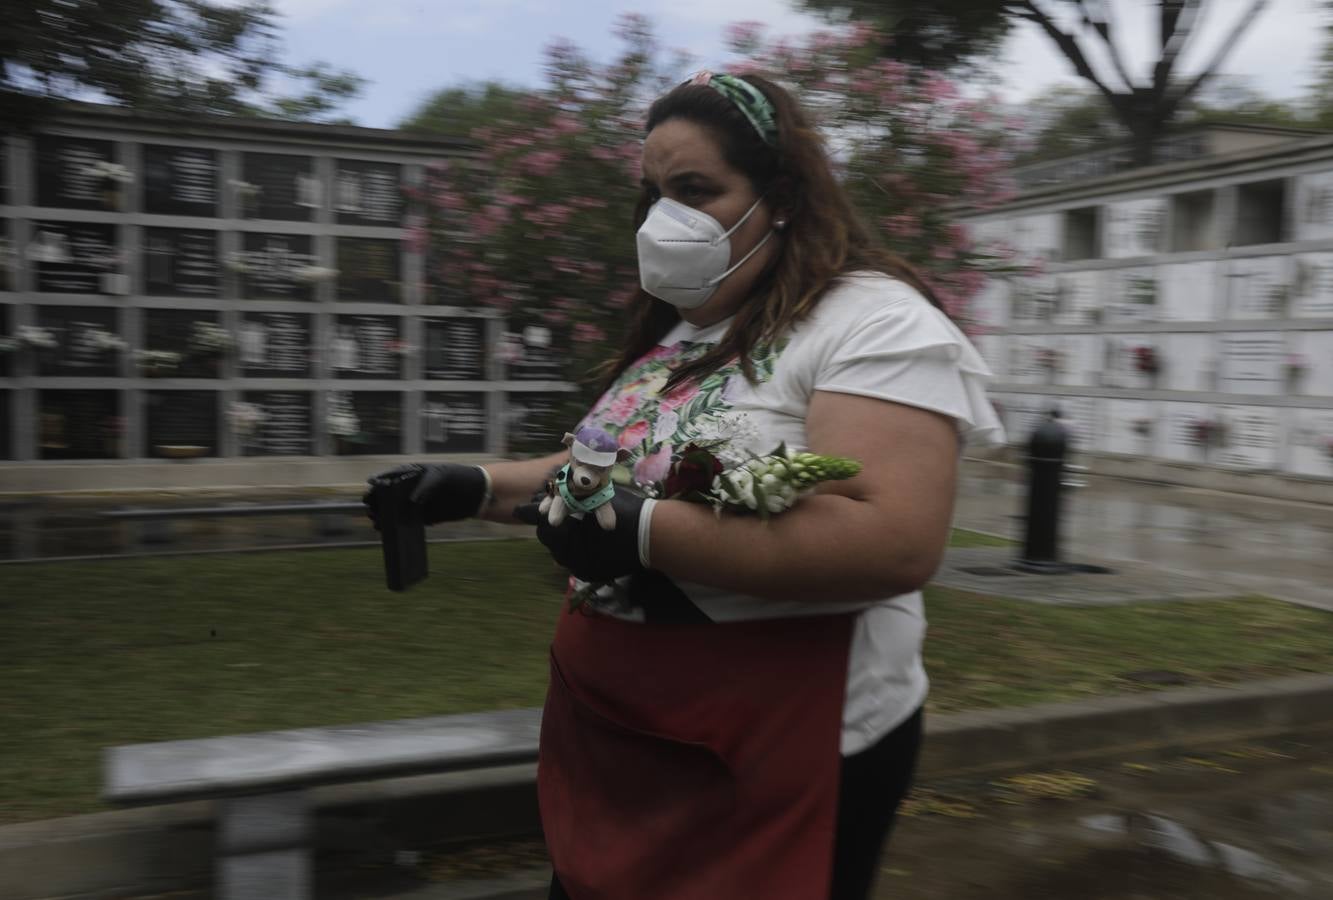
{"type": "Point", "coordinates": [779, 224]}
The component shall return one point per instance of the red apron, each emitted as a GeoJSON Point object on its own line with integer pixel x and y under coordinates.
{"type": "Point", "coordinates": [693, 762]}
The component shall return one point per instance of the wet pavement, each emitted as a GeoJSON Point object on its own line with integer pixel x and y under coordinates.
{"type": "Point", "coordinates": [1243, 822]}
{"type": "Point", "coordinates": [1277, 548]}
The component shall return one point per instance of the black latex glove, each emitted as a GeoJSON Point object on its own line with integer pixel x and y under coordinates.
{"type": "Point", "coordinates": [584, 548]}
{"type": "Point", "coordinates": [446, 492]}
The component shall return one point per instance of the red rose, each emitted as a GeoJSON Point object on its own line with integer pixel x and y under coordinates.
{"type": "Point", "coordinates": [694, 470]}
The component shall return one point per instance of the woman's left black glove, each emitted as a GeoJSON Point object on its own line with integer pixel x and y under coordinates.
{"type": "Point", "coordinates": [584, 548]}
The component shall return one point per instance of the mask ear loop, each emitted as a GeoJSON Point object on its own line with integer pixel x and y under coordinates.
{"type": "Point", "coordinates": [743, 259]}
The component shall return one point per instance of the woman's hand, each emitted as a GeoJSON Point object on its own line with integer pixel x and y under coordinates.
{"type": "Point", "coordinates": [446, 492]}
{"type": "Point", "coordinates": [583, 547]}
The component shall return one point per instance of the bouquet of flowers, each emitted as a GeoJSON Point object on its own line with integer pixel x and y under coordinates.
{"type": "Point", "coordinates": [765, 485]}
{"type": "Point", "coordinates": [761, 485]}
{"type": "Point", "coordinates": [36, 336]}
{"type": "Point", "coordinates": [1296, 365]}
{"type": "Point", "coordinates": [1145, 359]}
{"type": "Point", "coordinates": [1048, 359]}
{"type": "Point", "coordinates": [1208, 432]}
{"type": "Point", "coordinates": [102, 340]}
{"type": "Point", "coordinates": [209, 337]}
{"type": "Point", "coordinates": [154, 363]}
{"type": "Point", "coordinates": [343, 424]}
{"type": "Point", "coordinates": [245, 417]}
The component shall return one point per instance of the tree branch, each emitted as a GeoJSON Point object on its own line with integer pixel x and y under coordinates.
{"type": "Point", "coordinates": [1103, 29]}
{"type": "Point", "coordinates": [1025, 9]}
{"type": "Point", "coordinates": [1172, 103]}
{"type": "Point", "coordinates": [1177, 30]}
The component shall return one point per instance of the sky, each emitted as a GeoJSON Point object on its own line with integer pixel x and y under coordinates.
{"type": "Point", "coordinates": [407, 49]}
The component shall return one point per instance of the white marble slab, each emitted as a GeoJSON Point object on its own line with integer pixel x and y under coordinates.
{"type": "Point", "coordinates": [1259, 287]}
{"type": "Point", "coordinates": [1190, 292]}
{"type": "Point", "coordinates": [1133, 227]}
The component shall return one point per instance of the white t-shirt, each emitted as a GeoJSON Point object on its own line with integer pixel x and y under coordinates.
{"type": "Point", "coordinates": [870, 335]}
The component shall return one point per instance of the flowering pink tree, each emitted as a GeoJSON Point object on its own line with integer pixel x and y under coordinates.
{"type": "Point", "coordinates": [539, 223]}
{"type": "Point", "coordinates": [914, 152]}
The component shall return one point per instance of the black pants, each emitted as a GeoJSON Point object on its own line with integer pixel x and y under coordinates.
{"type": "Point", "coordinates": [871, 787]}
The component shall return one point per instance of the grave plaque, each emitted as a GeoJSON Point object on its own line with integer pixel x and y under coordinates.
{"type": "Point", "coordinates": [365, 423]}
{"type": "Point", "coordinates": [1189, 362]}
{"type": "Point", "coordinates": [286, 427]}
{"type": "Point", "coordinates": [1314, 207]}
{"type": "Point", "coordinates": [182, 424]}
{"type": "Point", "coordinates": [1259, 287]}
{"type": "Point", "coordinates": [1131, 295]}
{"type": "Point", "coordinates": [277, 267]}
{"type": "Point", "coordinates": [68, 172]}
{"type": "Point", "coordinates": [1076, 297]}
{"type": "Point", "coordinates": [1311, 442]}
{"type": "Point", "coordinates": [367, 193]}
{"type": "Point", "coordinates": [274, 345]}
{"type": "Point", "coordinates": [1252, 438]}
{"type": "Point", "coordinates": [1034, 299]}
{"type": "Point", "coordinates": [991, 306]}
{"type": "Point", "coordinates": [1082, 416]}
{"type": "Point", "coordinates": [79, 425]}
{"type": "Point", "coordinates": [366, 347]}
{"type": "Point", "coordinates": [454, 423]}
{"type": "Point", "coordinates": [455, 349]}
{"type": "Point", "coordinates": [1080, 362]}
{"type": "Point", "coordinates": [369, 271]}
{"type": "Point", "coordinates": [535, 423]}
{"type": "Point", "coordinates": [75, 258]}
{"type": "Point", "coordinates": [537, 360]}
{"type": "Point", "coordinates": [189, 333]}
{"type": "Point", "coordinates": [280, 187]}
{"type": "Point", "coordinates": [1132, 426]}
{"type": "Point", "coordinates": [180, 181]}
{"type": "Point", "coordinates": [1312, 289]}
{"type": "Point", "coordinates": [1312, 356]}
{"type": "Point", "coordinates": [1182, 430]}
{"type": "Point", "coordinates": [85, 341]}
{"type": "Point", "coordinates": [180, 262]}
{"type": "Point", "coordinates": [1037, 236]}
{"type": "Point", "coordinates": [1191, 292]}
{"type": "Point", "coordinates": [1252, 363]}
{"type": "Point", "coordinates": [1134, 227]}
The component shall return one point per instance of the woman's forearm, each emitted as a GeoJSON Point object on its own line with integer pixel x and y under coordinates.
{"type": "Point", "coordinates": [513, 483]}
{"type": "Point", "coordinates": [831, 548]}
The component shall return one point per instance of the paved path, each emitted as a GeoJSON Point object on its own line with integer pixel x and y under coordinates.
{"type": "Point", "coordinates": [1278, 548]}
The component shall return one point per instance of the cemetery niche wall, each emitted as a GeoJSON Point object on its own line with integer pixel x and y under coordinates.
{"type": "Point", "coordinates": [1173, 318]}
{"type": "Point", "coordinates": [186, 290]}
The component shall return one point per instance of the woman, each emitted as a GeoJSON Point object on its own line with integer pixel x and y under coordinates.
{"type": "Point", "coordinates": [738, 713]}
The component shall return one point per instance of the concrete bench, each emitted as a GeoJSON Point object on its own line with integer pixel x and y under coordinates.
{"type": "Point", "coordinates": [261, 782]}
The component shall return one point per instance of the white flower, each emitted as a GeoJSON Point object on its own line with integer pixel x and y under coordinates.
{"type": "Point", "coordinates": [209, 337]}
{"type": "Point", "coordinates": [313, 273]}
{"type": "Point", "coordinates": [343, 424]}
{"type": "Point", "coordinates": [110, 171]}
{"type": "Point", "coordinates": [104, 341]}
{"type": "Point", "coordinates": [245, 417]}
{"type": "Point", "coordinates": [35, 336]}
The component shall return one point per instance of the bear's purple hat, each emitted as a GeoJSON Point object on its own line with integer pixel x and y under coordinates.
{"type": "Point", "coordinates": [594, 447]}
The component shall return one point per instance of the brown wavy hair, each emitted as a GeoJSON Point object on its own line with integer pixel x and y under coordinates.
{"type": "Point", "coordinates": [824, 237]}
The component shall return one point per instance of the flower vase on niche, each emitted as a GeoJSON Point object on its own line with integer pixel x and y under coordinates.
{"type": "Point", "coordinates": [1048, 360]}
{"type": "Point", "coordinates": [1295, 366]}
{"type": "Point", "coordinates": [1146, 363]}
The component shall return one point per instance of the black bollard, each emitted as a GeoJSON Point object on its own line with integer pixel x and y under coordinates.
{"type": "Point", "coordinates": [1046, 463]}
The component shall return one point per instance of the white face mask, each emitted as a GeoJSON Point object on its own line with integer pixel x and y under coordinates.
{"type": "Point", "coordinates": [683, 253]}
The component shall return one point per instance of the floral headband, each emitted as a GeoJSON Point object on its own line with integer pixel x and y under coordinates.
{"type": "Point", "coordinates": [748, 99]}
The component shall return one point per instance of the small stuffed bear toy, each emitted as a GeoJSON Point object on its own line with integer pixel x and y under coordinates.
{"type": "Point", "coordinates": [584, 484]}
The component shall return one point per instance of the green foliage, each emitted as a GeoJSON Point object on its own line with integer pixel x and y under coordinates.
{"type": "Point", "coordinates": [168, 56]}
{"type": "Point", "coordinates": [942, 34]}
{"type": "Point", "coordinates": [458, 111]}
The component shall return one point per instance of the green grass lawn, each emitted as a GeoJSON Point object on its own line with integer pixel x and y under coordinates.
{"type": "Point", "coordinates": [102, 653]}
